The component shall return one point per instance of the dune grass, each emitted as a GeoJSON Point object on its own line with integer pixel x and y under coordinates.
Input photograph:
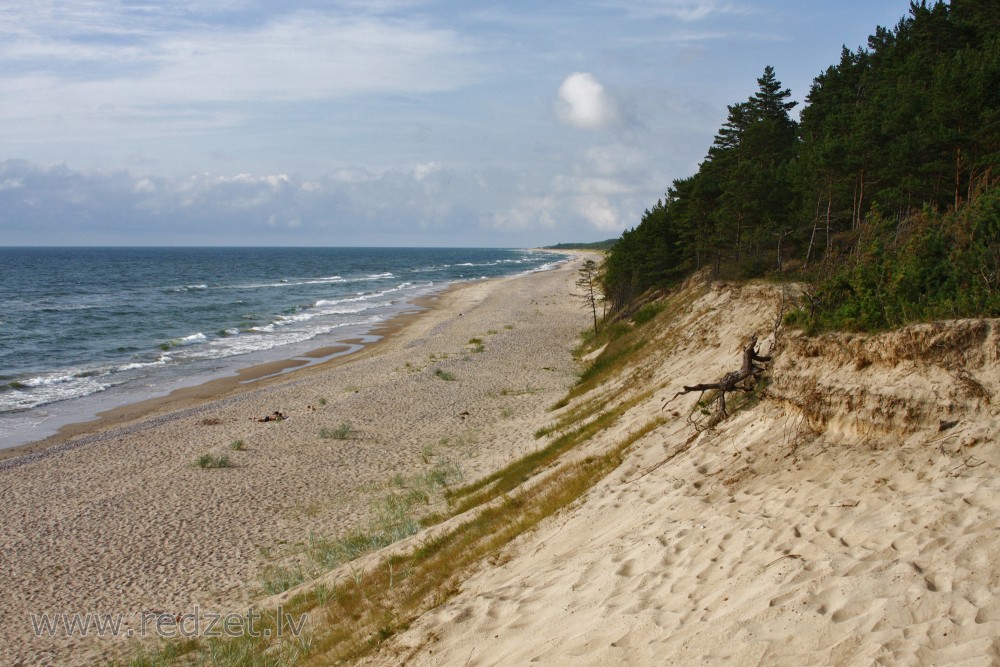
{"type": "Point", "coordinates": [393, 517]}
{"type": "Point", "coordinates": [208, 461]}
{"type": "Point", "coordinates": [445, 375]}
{"type": "Point", "coordinates": [342, 432]}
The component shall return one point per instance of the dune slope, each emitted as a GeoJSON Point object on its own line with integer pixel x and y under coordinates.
{"type": "Point", "coordinates": [849, 515]}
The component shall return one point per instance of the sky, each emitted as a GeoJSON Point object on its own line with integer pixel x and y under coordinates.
{"type": "Point", "coordinates": [379, 122]}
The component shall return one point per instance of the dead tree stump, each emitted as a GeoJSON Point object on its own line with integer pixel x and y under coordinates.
{"type": "Point", "coordinates": [745, 379]}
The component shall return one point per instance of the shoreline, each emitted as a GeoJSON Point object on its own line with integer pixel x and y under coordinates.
{"type": "Point", "coordinates": [62, 384]}
{"type": "Point", "coordinates": [131, 523]}
{"type": "Point", "coordinates": [243, 379]}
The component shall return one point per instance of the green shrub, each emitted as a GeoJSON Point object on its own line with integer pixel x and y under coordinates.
{"type": "Point", "coordinates": [926, 266]}
{"type": "Point", "coordinates": [647, 313]}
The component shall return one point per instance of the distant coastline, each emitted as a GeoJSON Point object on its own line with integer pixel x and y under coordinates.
{"type": "Point", "coordinates": [597, 245]}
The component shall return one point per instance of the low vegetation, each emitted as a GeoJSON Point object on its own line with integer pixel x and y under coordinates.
{"type": "Point", "coordinates": [394, 517]}
{"type": "Point", "coordinates": [342, 432]}
{"type": "Point", "coordinates": [213, 461]}
{"type": "Point", "coordinates": [929, 266]}
{"type": "Point", "coordinates": [445, 375]}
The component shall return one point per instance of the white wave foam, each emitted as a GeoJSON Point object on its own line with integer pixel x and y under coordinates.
{"type": "Point", "coordinates": [329, 280]}
{"type": "Point", "coordinates": [265, 340]}
{"type": "Point", "coordinates": [193, 339]}
{"type": "Point", "coordinates": [138, 365]}
{"type": "Point", "coordinates": [50, 388]}
{"type": "Point", "coordinates": [49, 380]}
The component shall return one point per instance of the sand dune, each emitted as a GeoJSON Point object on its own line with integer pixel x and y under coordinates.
{"type": "Point", "coordinates": [850, 517]}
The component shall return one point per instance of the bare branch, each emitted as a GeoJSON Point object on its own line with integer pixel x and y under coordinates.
{"type": "Point", "coordinates": [733, 380]}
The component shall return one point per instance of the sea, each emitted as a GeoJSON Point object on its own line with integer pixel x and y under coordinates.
{"type": "Point", "coordinates": [87, 329]}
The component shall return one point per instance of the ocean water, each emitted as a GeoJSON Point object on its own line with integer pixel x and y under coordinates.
{"type": "Point", "coordinates": [84, 329]}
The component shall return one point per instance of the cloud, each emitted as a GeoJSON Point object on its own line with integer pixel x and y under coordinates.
{"type": "Point", "coordinates": [422, 171]}
{"type": "Point", "coordinates": [309, 56]}
{"type": "Point", "coordinates": [11, 184]}
{"type": "Point", "coordinates": [600, 213]}
{"type": "Point", "coordinates": [527, 213]}
{"type": "Point", "coordinates": [420, 204]}
{"type": "Point", "coordinates": [687, 11]}
{"type": "Point", "coordinates": [417, 205]}
{"type": "Point", "coordinates": [582, 102]}
{"type": "Point", "coordinates": [103, 69]}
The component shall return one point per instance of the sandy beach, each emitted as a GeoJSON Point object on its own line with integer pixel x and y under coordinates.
{"type": "Point", "coordinates": [122, 520]}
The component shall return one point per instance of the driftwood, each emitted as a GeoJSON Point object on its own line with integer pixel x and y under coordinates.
{"type": "Point", "coordinates": [743, 380]}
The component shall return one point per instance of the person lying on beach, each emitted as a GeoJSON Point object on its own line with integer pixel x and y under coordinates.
{"type": "Point", "coordinates": [276, 416]}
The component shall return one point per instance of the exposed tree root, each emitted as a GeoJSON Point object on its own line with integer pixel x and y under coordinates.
{"type": "Point", "coordinates": [745, 379]}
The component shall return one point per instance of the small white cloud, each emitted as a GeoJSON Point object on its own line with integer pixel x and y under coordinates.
{"type": "Point", "coordinates": [276, 180]}
{"type": "Point", "coordinates": [352, 175]}
{"type": "Point", "coordinates": [422, 171]}
{"type": "Point", "coordinates": [582, 102]}
{"type": "Point", "coordinates": [144, 185]}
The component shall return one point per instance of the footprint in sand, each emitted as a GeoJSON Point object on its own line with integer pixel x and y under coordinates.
{"type": "Point", "coordinates": [989, 613]}
{"type": "Point", "coordinates": [626, 570]}
{"type": "Point", "coordinates": [850, 611]}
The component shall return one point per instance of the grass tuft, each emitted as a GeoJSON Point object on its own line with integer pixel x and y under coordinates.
{"type": "Point", "coordinates": [648, 312]}
{"type": "Point", "coordinates": [342, 432]}
{"type": "Point", "coordinates": [506, 391]}
{"type": "Point", "coordinates": [213, 461]}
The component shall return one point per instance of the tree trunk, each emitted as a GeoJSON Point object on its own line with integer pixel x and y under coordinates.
{"type": "Point", "coordinates": [812, 237]}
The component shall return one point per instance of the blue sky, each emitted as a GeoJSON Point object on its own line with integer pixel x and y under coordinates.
{"type": "Point", "coordinates": [381, 122]}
